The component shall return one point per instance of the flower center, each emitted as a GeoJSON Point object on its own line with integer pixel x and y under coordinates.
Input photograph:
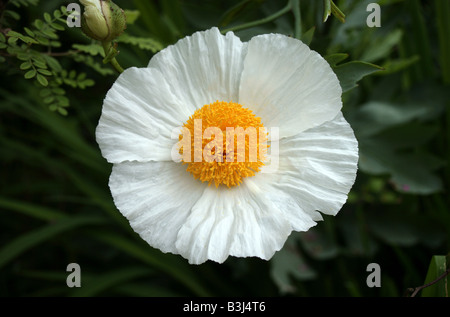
{"type": "Point", "coordinates": [223, 142]}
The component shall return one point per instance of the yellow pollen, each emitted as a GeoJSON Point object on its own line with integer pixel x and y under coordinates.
{"type": "Point", "coordinates": [222, 143]}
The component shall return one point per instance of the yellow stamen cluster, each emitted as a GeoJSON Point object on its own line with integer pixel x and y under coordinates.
{"type": "Point", "coordinates": [227, 143]}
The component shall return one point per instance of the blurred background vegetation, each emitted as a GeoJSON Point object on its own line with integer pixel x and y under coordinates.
{"type": "Point", "coordinates": [55, 204]}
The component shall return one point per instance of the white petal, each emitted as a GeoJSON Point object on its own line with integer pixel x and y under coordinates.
{"type": "Point", "coordinates": [156, 197]}
{"type": "Point", "coordinates": [317, 167]}
{"type": "Point", "coordinates": [290, 210]}
{"type": "Point", "coordinates": [288, 85]}
{"type": "Point", "coordinates": [203, 68]}
{"type": "Point", "coordinates": [239, 221]}
{"type": "Point", "coordinates": [138, 116]}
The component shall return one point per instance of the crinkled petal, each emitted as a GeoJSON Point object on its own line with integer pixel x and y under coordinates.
{"type": "Point", "coordinates": [288, 85]}
{"type": "Point", "coordinates": [138, 117]}
{"type": "Point", "coordinates": [317, 169]}
{"type": "Point", "coordinates": [240, 221]}
{"type": "Point", "coordinates": [156, 198]}
{"type": "Point", "coordinates": [203, 68]}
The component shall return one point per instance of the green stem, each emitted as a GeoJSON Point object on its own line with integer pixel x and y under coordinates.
{"type": "Point", "coordinates": [270, 18]}
{"type": "Point", "coordinates": [327, 10]}
{"type": "Point", "coordinates": [116, 65]}
{"type": "Point", "coordinates": [298, 19]}
{"type": "Point", "coordinates": [107, 47]}
{"type": "Point", "coordinates": [337, 12]}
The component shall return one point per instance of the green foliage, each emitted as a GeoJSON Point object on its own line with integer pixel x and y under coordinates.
{"type": "Point", "coordinates": [350, 73]}
{"type": "Point", "coordinates": [31, 239]}
{"type": "Point", "coordinates": [149, 44]}
{"type": "Point", "coordinates": [55, 204]}
{"type": "Point", "coordinates": [439, 267]}
{"type": "Point", "coordinates": [33, 50]}
{"type": "Point", "coordinates": [393, 142]}
{"type": "Point", "coordinates": [93, 49]}
{"type": "Point", "coordinates": [26, 3]}
{"type": "Point", "coordinates": [330, 8]}
{"type": "Point", "coordinates": [35, 63]}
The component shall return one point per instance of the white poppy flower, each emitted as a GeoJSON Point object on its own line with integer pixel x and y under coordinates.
{"type": "Point", "coordinates": [176, 207]}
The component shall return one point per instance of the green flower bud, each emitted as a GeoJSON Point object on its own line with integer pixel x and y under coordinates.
{"type": "Point", "coordinates": [102, 20]}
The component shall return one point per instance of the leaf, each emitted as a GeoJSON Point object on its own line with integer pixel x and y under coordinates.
{"type": "Point", "coordinates": [45, 92]}
{"type": "Point", "coordinates": [288, 263]}
{"type": "Point", "coordinates": [335, 59]}
{"type": "Point", "coordinates": [49, 99]}
{"type": "Point", "coordinates": [350, 73]}
{"type": "Point", "coordinates": [382, 46]}
{"type": "Point", "coordinates": [72, 74]}
{"type": "Point", "coordinates": [337, 12]}
{"type": "Point", "coordinates": [45, 72]}
{"type": "Point", "coordinates": [57, 14]}
{"type": "Point", "coordinates": [63, 101]}
{"type": "Point", "coordinates": [410, 171]}
{"type": "Point", "coordinates": [62, 111]}
{"type": "Point", "coordinates": [394, 139]}
{"type": "Point", "coordinates": [24, 3]}
{"type": "Point", "coordinates": [40, 64]}
{"type": "Point", "coordinates": [403, 228]}
{"type": "Point", "coordinates": [35, 211]}
{"type": "Point", "coordinates": [50, 34]}
{"type": "Point", "coordinates": [308, 36]}
{"type": "Point", "coordinates": [29, 32]}
{"type": "Point", "coordinates": [231, 13]}
{"type": "Point", "coordinates": [98, 284]}
{"type": "Point", "coordinates": [89, 61]}
{"type": "Point", "coordinates": [53, 107]}
{"type": "Point", "coordinates": [57, 26]}
{"type": "Point", "coordinates": [47, 17]}
{"type": "Point", "coordinates": [374, 117]}
{"type": "Point", "coordinates": [12, 41]}
{"type": "Point", "coordinates": [42, 80]}
{"type": "Point", "coordinates": [12, 14]}
{"type": "Point", "coordinates": [25, 65]}
{"type": "Point", "coordinates": [175, 269]}
{"type": "Point", "coordinates": [86, 83]}
{"type": "Point", "coordinates": [393, 229]}
{"type": "Point", "coordinates": [39, 24]}
{"type": "Point", "coordinates": [327, 10]}
{"type": "Point", "coordinates": [438, 266]}
{"type": "Point", "coordinates": [355, 237]}
{"type": "Point", "coordinates": [131, 16]}
{"type": "Point", "coordinates": [23, 56]}
{"type": "Point", "coordinates": [53, 63]}
{"type": "Point", "coordinates": [29, 240]}
{"type": "Point", "coordinates": [318, 244]}
{"type": "Point", "coordinates": [74, 145]}
{"type": "Point", "coordinates": [58, 91]}
{"type": "Point", "coordinates": [24, 38]}
{"type": "Point", "coordinates": [93, 49]}
{"type": "Point", "coordinates": [81, 76]}
{"type": "Point", "coordinates": [42, 40]}
{"type": "Point", "coordinates": [410, 135]}
{"type": "Point", "coordinates": [144, 43]}
{"type": "Point", "coordinates": [30, 74]}
{"type": "Point", "coordinates": [396, 65]}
